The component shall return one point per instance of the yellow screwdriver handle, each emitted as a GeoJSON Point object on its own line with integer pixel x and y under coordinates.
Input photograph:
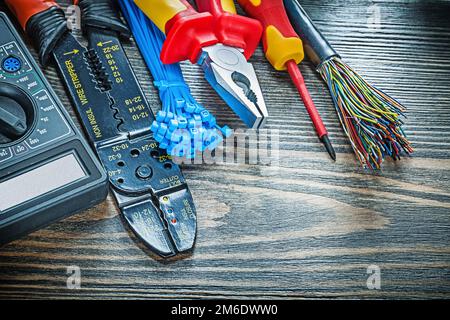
{"type": "Point", "coordinates": [162, 11]}
{"type": "Point", "coordinates": [281, 43]}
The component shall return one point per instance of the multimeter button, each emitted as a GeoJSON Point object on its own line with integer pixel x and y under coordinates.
{"type": "Point", "coordinates": [5, 154]}
{"type": "Point", "coordinates": [11, 64]}
{"type": "Point", "coordinates": [20, 148]}
{"type": "Point", "coordinates": [144, 172]}
{"type": "Point", "coordinates": [42, 96]}
{"type": "Point", "coordinates": [29, 82]}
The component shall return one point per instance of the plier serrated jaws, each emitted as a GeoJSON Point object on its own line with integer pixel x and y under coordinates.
{"type": "Point", "coordinates": [229, 73]}
{"type": "Point", "coordinates": [221, 42]}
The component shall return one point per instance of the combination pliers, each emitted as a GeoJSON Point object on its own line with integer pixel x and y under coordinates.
{"type": "Point", "coordinates": [220, 41]}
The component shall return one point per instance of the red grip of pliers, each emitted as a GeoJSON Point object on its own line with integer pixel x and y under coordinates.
{"type": "Point", "coordinates": [25, 9]}
{"type": "Point", "coordinates": [189, 31]}
{"type": "Point", "coordinates": [186, 34]}
{"type": "Point", "coordinates": [232, 29]}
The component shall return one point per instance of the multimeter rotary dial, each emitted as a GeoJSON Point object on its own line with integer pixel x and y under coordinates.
{"type": "Point", "coordinates": [17, 113]}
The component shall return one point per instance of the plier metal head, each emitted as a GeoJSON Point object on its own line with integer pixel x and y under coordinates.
{"type": "Point", "coordinates": [235, 80]}
{"type": "Point", "coordinates": [221, 42]}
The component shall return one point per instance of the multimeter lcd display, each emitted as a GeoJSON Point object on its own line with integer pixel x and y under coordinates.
{"type": "Point", "coordinates": [35, 183]}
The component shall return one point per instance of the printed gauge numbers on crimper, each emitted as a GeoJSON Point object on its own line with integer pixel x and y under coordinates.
{"type": "Point", "coordinates": [141, 168]}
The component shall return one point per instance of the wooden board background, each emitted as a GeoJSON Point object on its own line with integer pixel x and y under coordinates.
{"type": "Point", "coordinates": [307, 228]}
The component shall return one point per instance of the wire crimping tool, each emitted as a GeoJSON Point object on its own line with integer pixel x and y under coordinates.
{"type": "Point", "coordinates": [149, 188]}
{"type": "Point", "coordinates": [221, 42]}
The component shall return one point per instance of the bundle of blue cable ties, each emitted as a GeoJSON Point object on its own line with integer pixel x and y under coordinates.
{"type": "Point", "coordinates": [183, 127]}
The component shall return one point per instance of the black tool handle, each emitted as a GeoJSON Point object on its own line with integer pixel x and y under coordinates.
{"type": "Point", "coordinates": [46, 29]}
{"type": "Point", "coordinates": [102, 14]}
{"type": "Point", "coordinates": [316, 45]}
{"type": "Point", "coordinates": [43, 20]}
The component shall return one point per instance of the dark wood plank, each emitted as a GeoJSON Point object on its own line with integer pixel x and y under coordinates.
{"type": "Point", "coordinates": [304, 228]}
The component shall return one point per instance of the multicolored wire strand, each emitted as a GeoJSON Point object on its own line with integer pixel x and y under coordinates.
{"type": "Point", "coordinates": [371, 119]}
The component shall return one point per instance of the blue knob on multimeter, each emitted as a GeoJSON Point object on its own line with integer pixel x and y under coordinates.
{"type": "Point", "coordinates": [11, 64]}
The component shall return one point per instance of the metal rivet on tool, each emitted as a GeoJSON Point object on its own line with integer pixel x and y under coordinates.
{"type": "Point", "coordinates": [228, 57]}
{"type": "Point", "coordinates": [144, 172]}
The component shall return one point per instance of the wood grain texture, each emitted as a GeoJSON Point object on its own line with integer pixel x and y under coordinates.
{"type": "Point", "coordinates": [307, 228]}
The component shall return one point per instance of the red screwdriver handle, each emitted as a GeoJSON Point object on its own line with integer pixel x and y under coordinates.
{"type": "Point", "coordinates": [281, 42]}
{"type": "Point", "coordinates": [230, 28]}
{"type": "Point", "coordinates": [284, 50]}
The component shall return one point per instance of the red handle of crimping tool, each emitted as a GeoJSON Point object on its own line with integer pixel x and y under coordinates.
{"type": "Point", "coordinates": [25, 9]}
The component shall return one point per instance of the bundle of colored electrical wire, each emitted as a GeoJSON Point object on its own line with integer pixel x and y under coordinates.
{"type": "Point", "coordinates": [183, 127]}
{"type": "Point", "coordinates": [371, 119]}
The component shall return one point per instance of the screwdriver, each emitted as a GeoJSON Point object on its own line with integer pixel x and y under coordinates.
{"type": "Point", "coordinates": [284, 50]}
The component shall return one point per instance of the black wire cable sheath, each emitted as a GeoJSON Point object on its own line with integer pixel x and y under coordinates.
{"type": "Point", "coordinates": [316, 46]}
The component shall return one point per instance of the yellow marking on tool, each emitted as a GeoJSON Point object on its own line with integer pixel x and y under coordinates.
{"type": "Point", "coordinates": [280, 49]}
{"type": "Point", "coordinates": [75, 51]}
{"type": "Point", "coordinates": [101, 44]}
{"type": "Point", "coordinates": [160, 12]}
{"type": "Point", "coordinates": [256, 3]}
{"type": "Point", "coordinates": [228, 6]}
{"type": "Point", "coordinates": [94, 124]}
{"type": "Point", "coordinates": [76, 82]}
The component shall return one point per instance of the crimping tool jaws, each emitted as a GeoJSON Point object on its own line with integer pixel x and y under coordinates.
{"type": "Point", "coordinates": [152, 194]}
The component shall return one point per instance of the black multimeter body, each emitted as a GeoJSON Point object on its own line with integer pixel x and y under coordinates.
{"type": "Point", "coordinates": [47, 170]}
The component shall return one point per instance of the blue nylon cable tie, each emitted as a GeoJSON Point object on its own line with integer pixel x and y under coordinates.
{"type": "Point", "coordinates": [180, 112]}
{"type": "Point", "coordinates": [165, 85]}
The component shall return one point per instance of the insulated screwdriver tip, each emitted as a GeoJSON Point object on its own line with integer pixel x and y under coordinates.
{"type": "Point", "coordinates": [327, 143]}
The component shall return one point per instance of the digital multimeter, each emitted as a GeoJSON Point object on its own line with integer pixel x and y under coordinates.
{"type": "Point", "coordinates": [47, 170]}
